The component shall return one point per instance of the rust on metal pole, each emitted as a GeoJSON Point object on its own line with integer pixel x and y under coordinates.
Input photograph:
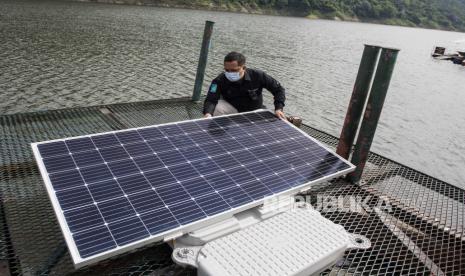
{"type": "Point", "coordinates": [387, 61]}
{"type": "Point", "coordinates": [357, 100]}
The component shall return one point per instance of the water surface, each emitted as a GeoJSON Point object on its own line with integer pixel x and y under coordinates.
{"type": "Point", "coordinates": [63, 54]}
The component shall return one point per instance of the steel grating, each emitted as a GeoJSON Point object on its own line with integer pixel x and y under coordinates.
{"type": "Point", "coordinates": [415, 222]}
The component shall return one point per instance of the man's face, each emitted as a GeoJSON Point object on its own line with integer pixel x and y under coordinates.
{"type": "Point", "coordinates": [233, 66]}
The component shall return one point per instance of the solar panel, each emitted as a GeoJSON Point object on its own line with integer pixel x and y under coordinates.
{"type": "Point", "coordinates": [116, 191]}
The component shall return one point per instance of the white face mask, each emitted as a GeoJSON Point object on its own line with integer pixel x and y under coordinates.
{"type": "Point", "coordinates": [233, 76]}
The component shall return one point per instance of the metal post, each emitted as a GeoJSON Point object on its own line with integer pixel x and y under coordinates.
{"type": "Point", "coordinates": [358, 99]}
{"type": "Point", "coordinates": [207, 34]}
{"type": "Point", "coordinates": [373, 110]}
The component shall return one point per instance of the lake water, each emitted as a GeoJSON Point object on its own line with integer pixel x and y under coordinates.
{"type": "Point", "coordinates": [56, 55]}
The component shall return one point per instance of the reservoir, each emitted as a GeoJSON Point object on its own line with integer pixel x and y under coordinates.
{"type": "Point", "coordinates": [65, 54]}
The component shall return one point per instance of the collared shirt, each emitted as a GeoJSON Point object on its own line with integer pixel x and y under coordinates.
{"type": "Point", "coordinates": [245, 94]}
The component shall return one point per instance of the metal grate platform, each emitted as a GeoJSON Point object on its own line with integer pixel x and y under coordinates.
{"type": "Point", "coordinates": [415, 222]}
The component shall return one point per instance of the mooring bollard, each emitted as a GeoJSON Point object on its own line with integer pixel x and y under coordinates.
{"type": "Point", "coordinates": [358, 100]}
{"type": "Point", "coordinates": [207, 34]}
{"type": "Point", "coordinates": [373, 110]}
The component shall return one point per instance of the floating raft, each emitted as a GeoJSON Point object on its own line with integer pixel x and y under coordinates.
{"type": "Point", "coordinates": [415, 222]}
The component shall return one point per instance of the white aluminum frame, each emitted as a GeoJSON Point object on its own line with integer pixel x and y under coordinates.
{"type": "Point", "coordinates": [81, 262]}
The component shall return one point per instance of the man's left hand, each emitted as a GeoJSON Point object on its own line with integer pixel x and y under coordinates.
{"type": "Point", "coordinates": [280, 114]}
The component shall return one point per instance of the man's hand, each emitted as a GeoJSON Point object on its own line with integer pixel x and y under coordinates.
{"type": "Point", "coordinates": [280, 114]}
{"type": "Point", "coordinates": [207, 115]}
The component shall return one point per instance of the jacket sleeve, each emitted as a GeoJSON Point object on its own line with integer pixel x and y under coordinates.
{"type": "Point", "coordinates": [276, 89]}
{"type": "Point", "coordinates": [212, 98]}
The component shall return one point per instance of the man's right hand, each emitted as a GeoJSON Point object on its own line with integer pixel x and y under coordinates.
{"type": "Point", "coordinates": [207, 115]}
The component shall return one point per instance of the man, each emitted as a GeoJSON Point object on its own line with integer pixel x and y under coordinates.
{"type": "Point", "coordinates": [239, 89]}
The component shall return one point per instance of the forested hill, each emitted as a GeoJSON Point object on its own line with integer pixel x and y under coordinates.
{"type": "Point", "coordinates": [436, 14]}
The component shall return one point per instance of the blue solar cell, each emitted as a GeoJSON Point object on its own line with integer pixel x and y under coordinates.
{"type": "Point", "coordinates": [263, 137]}
{"type": "Point", "coordinates": [52, 148]}
{"type": "Point", "coordinates": [134, 183]}
{"type": "Point", "coordinates": [244, 157]}
{"type": "Point", "coordinates": [74, 198]}
{"type": "Point", "coordinates": [213, 148]}
{"type": "Point", "coordinates": [116, 209]}
{"type": "Point", "coordinates": [151, 133]}
{"type": "Point", "coordinates": [66, 179]}
{"type": "Point", "coordinates": [83, 218]}
{"type": "Point", "coordinates": [270, 117]}
{"type": "Point", "coordinates": [96, 173]}
{"type": "Point", "coordinates": [172, 194]}
{"type": "Point", "coordinates": [128, 230]}
{"type": "Point", "coordinates": [106, 140]}
{"type": "Point", "coordinates": [138, 149]}
{"type": "Point", "coordinates": [181, 141]}
{"type": "Point", "coordinates": [80, 144]}
{"type": "Point", "coordinates": [114, 153]}
{"type": "Point", "coordinates": [231, 144]}
{"type": "Point", "coordinates": [105, 190]}
{"type": "Point", "coordinates": [254, 117]}
{"type": "Point", "coordinates": [184, 171]}
{"type": "Point", "coordinates": [197, 187]}
{"type": "Point", "coordinates": [239, 119]}
{"type": "Point", "coordinates": [128, 137]}
{"type": "Point", "coordinates": [217, 133]}
{"type": "Point", "coordinates": [223, 121]}
{"type": "Point", "coordinates": [160, 178]}
{"type": "Point", "coordinates": [171, 157]}
{"type": "Point", "coordinates": [187, 212]}
{"type": "Point", "coordinates": [205, 166]}
{"type": "Point", "coordinates": [249, 141]}
{"type": "Point", "coordinates": [240, 175]}
{"type": "Point", "coordinates": [292, 177]}
{"type": "Point", "coordinates": [146, 201]}
{"type": "Point", "coordinates": [275, 183]}
{"type": "Point", "coordinates": [160, 145]}
{"type": "Point", "coordinates": [159, 221]}
{"type": "Point", "coordinates": [278, 149]}
{"type": "Point", "coordinates": [170, 130]}
{"type": "Point", "coordinates": [123, 167]}
{"type": "Point", "coordinates": [149, 162]}
{"type": "Point", "coordinates": [219, 180]}
{"type": "Point", "coordinates": [201, 137]}
{"type": "Point", "coordinates": [189, 127]}
{"type": "Point", "coordinates": [207, 124]}
{"type": "Point", "coordinates": [261, 152]}
{"type": "Point", "coordinates": [212, 204]}
{"type": "Point", "coordinates": [94, 241]}
{"type": "Point", "coordinates": [276, 165]}
{"type": "Point", "coordinates": [342, 166]}
{"type": "Point", "coordinates": [87, 158]}
{"type": "Point", "coordinates": [235, 196]}
{"type": "Point", "coordinates": [260, 169]}
{"type": "Point", "coordinates": [277, 135]}
{"type": "Point", "coordinates": [193, 153]}
{"type": "Point", "coordinates": [59, 163]}
{"type": "Point", "coordinates": [292, 159]}
{"type": "Point", "coordinates": [236, 131]}
{"type": "Point", "coordinates": [225, 161]}
{"type": "Point", "coordinates": [256, 189]}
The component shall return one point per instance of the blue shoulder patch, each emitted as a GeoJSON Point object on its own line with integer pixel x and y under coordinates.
{"type": "Point", "coordinates": [213, 88]}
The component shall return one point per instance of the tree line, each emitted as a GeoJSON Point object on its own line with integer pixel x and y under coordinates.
{"type": "Point", "coordinates": [438, 14]}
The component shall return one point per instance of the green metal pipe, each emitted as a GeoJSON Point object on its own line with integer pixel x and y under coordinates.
{"type": "Point", "coordinates": [358, 100]}
{"type": "Point", "coordinates": [373, 110]}
{"type": "Point", "coordinates": [207, 34]}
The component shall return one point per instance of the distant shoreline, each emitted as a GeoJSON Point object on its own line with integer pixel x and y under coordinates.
{"type": "Point", "coordinates": [240, 8]}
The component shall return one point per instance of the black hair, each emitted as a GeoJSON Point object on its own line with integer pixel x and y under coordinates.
{"type": "Point", "coordinates": [235, 56]}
